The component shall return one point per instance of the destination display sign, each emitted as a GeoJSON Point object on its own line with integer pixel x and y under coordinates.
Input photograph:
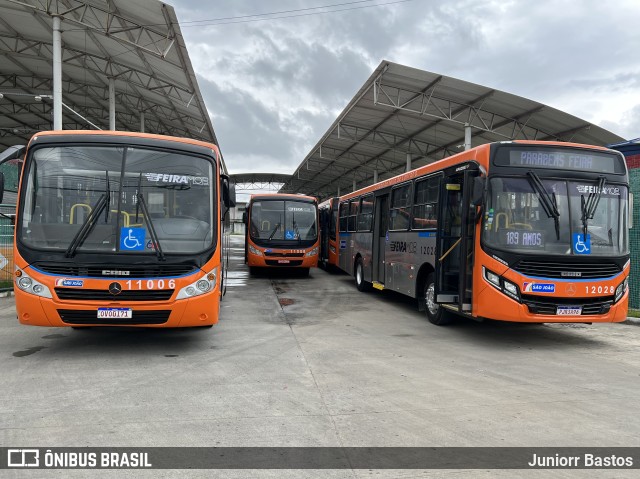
{"type": "Point", "coordinates": [576, 160]}
{"type": "Point", "coordinates": [522, 238]}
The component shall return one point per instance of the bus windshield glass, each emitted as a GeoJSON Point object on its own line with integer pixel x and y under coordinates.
{"type": "Point", "coordinates": [283, 220]}
{"type": "Point", "coordinates": [88, 196]}
{"type": "Point", "coordinates": [549, 218]}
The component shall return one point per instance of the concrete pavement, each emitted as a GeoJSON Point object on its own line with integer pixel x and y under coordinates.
{"type": "Point", "coordinates": [313, 362]}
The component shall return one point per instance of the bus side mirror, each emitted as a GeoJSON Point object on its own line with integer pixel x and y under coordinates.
{"type": "Point", "coordinates": [477, 196]}
{"type": "Point", "coordinates": [244, 217]}
{"type": "Point", "coordinates": [228, 192]}
{"type": "Point", "coordinates": [12, 153]}
{"type": "Point", "coordinates": [630, 210]}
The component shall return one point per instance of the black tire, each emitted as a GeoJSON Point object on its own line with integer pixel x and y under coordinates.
{"type": "Point", "coordinates": [436, 314]}
{"type": "Point", "coordinates": [361, 284]}
{"type": "Point", "coordinates": [253, 270]}
{"type": "Point", "coordinates": [304, 272]}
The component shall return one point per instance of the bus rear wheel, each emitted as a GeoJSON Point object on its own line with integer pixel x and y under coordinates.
{"type": "Point", "coordinates": [436, 314]}
{"type": "Point", "coordinates": [361, 284]}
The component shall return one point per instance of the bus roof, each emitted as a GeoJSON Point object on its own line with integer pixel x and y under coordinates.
{"type": "Point", "coordinates": [468, 155]}
{"type": "Point", "coordinates": [282, 196]}
{"type": "Point", "coordinates": [79, 135]}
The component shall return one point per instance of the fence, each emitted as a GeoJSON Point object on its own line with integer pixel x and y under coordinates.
{"type": "Point", "coordinates": [7, 220]}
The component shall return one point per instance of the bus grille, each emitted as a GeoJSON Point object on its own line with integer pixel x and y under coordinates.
{"type": "Point", "coordinates": [89, 316]}
{"type": "Point", "coordinates": [95, 271]}
{"type": "Point", "coordinates": [566, 269]}
{"type": "Point", "coordinates": [549, 306]}
{"type": "Point", "coordinates": [105, 295]}
{"type": "Point", "coordinates": [283, 255]}
{"type": "Point", "coordinates": [274, 262]}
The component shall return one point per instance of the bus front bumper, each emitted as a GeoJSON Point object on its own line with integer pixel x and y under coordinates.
{"type": "Point", "coordinates": [201, 310]}
{"type": "Point", "coordinates": [491, 301]}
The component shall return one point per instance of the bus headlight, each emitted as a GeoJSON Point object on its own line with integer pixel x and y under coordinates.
{"type": "Point", "coordinates": [621, 289]}
{"type": "Point", "coordinates": [492, 278]}
{"type": "Point", "coordinates": [29, 285]}
{"type": "Point", "coordinates": [312, 252]}
{"type": "Point", "coordinates": [255, 251]}
{"type": "Point", "coordinates": [507, 287]}
{"type": "Point", "coordinates": [200, 286]}
{"type": "Point", "coordinates": [511, 289]}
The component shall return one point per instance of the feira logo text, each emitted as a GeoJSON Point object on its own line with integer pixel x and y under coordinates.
{"type": "Point", "coordinates": [180, 179]}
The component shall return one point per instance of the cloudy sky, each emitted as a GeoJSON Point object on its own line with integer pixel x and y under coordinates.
{"type": "Point", "coordinates": [274, 85]}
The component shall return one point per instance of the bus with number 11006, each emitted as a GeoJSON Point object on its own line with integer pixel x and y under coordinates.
{"type": "Point", "coordinates": [118, 228]}
{"type": "Point", "coordinates": [523, 231]}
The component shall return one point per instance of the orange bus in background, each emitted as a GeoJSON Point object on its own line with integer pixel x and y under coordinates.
{"type": "Point", "coordinates": [525, 231]}
{"type": "Point", "coordinates": [281, 231]}
{"type": "Point", "coordinates": [328, 211]}
{"type": "Point", "coordinates": [117, 228]}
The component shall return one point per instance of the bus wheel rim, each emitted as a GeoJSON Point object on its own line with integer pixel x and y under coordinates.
{"type": "Point", "coordinates": [429, 297]}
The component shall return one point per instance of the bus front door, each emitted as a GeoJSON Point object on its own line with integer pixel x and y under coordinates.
{"type": "Point", "coordinates": [454, 254]}
{"type": "Point", "coordinates": [380, 228]}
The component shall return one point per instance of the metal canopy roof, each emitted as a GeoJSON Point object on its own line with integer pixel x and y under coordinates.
{"type": "Point", "coordinates": [136, 42]}
{"type": "Point", "coordinates": [402, 111]}
{"type": "Point", "coordinates": [259, 181]}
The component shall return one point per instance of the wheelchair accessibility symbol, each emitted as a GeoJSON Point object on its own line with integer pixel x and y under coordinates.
{"type": "Point", "coordinates": [580, 244]}
{"type": "Point", "coordinates": [132, 239]}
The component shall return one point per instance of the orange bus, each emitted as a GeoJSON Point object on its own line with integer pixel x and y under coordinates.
{"type": "Point", "coordinates": [328, 211]}
{"type": "Point", "coordinates": [524, 231]}
{"type": "Point", "coordinates": [117, 228]}
{"type": "Point", "coordinates": [281, 231]}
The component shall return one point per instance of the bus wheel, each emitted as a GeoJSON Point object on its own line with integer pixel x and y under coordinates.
{"type": "Point", "coordinates": [435, 313]}
{"type": "Point", "coordinates": [304, 272]}
{"type": "Point", "coordinates": [361, 284]}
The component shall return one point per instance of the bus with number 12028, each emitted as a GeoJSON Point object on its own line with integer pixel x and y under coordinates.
{"type": "Point", "coordinates": [281, 231]}
{"type": "Point", "coordinates": [117, 228]}
{"type": "Point", "coordinates": [523, 231]}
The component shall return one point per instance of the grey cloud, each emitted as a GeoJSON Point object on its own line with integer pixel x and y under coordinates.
{"type": "Point", "coordinates": [291, 76]}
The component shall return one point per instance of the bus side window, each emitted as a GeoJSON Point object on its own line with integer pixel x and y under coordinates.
{"type": "Point", "coordinates": [400, 208]}
{"type": "Point", "coordinates": [344, 216]}
{"type": "Point", "coordinates": [425, 200]}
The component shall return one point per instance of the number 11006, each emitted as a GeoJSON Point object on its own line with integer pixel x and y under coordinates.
{"type": "Point", "coordinates": [150, 284]}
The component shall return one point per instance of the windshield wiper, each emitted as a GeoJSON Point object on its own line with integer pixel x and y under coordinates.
{"type": "Point", "coordinates": [274, 231]}
{"type": "Point", "coordinates": [108, 193]}
{"type": "Point", "coordinates": [549, 205]}
{"type": "Point", "coordinates": [152, 231]}
{"type": "Point", "coordinates": [295, 227]}
{"type": "Point", "coordinates": [87, 226]}
{"type": "Point", "coordinates": [589, 207]}
{"type": "Point", "coordinates": [103, 202]}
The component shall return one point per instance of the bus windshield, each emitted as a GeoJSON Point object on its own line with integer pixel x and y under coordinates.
{"type": "Point", "coordinates": [283, 220]}
{"type": "Point", "coordinates": [549, 218]}
{"type": "Point", "coordinates": [99, 187]}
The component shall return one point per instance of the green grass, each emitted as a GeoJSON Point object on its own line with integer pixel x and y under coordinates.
{"type": "Point", "coordinates": [634, 313]}
{"type": "Point", "coordinates": [6, 284]}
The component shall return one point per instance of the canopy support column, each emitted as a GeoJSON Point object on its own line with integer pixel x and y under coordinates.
{"type": "Point", "coordinates": [112, 104]}
{"type": "Point", "coordinates": [57, 74]}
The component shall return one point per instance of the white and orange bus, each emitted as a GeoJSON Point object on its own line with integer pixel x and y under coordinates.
{"type": "Point", "coordinates": [116, 228]}
{"type": "Point", "coordinates": [328, 211]}
{"type": "Point", "coordinates": [281, 231]}
{"type": "Point", "coordinates": [523, 231]}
